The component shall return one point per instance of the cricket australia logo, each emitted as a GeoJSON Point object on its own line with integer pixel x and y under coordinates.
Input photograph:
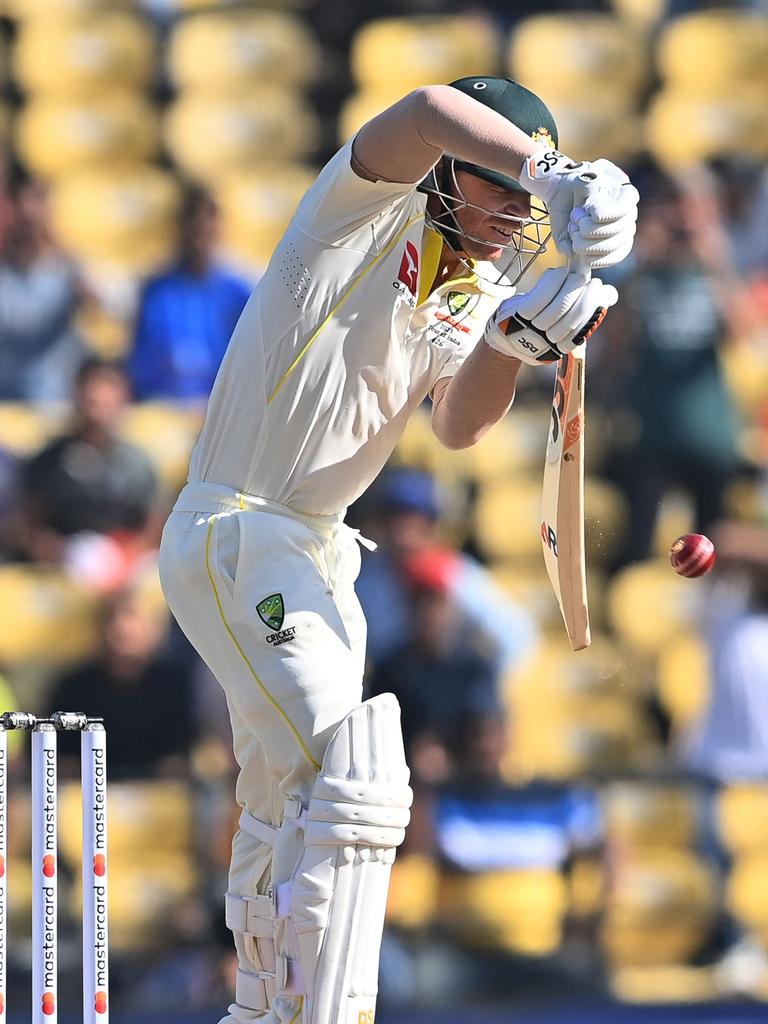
{"type": "Point", "coordinates": [457, 302]}
{"type": "Point", "coordinates": [272, 613]}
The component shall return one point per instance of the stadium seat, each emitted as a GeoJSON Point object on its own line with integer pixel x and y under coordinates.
{"type": "Point", "coordinates": [152, 863]}
{"type": "Point", "coordinates": [519, 911]}
{"type": "Point", "coordinates": [508, 509]}
{"type": "Point", "coordinates": [746, 893]}
{"type": "Point", "coordinates": [605, 126]}
{"type": "Point", "coordinates": [578, 57]}
{"type": "Point", "coordinates": [125, 216]}
{"type": "Point", "coordinates": [256, 207]}
{"type": "Point", "coordinates": [22, 9]}
{"type": "Point", "coordinates": [682, 129]}
{"type": "Point", "coordinates": [649, 605]}
{"type": "Point", "coordinates": [56, 137]}
{"type": "Point", "coordinates": [661, 905]}
{"type": "Point", "coordinates": [565, 739]}
{"type": "Point", "coordinates": [553, 675]}
{"type": "Point", "coordinates": [25, 428]}
{"type": "Point", "coordinates": [208, 136]}
{"type": "Point", "coordinates": [650, 814]}
{"type": "Point", "coordinates": [178, 427]}
{"type": "Point", "coordinates": [412, 898]}
{"type": "Point", "coordinates": [640, 15]}
{"type": "Point", "coordinates": [683, 679]}
{"type": "Point", "coordinates": [85, 53]}
{"type": "Point", "coordinates": [224, 52]}
{"type": "Point", "coordinates": [409, 52]}
{"type": "Point", "coordinates": [742, 818]}
{"type": "Point", "coordinates": [46, 617]}
{"type": "Point", "coordinates": [714, 52]}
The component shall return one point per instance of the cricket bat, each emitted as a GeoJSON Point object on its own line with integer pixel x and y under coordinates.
{"type": "Point", "coordinates": [562, 526]}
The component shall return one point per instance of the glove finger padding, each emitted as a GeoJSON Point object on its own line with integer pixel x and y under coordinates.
{"type": "Point", "coordinates": [594, 298]}
{"type": "Point", "coordinates": [562, 311]}
{"type": "Point", "coordinates": [568, 294]}
{"type": "Point", "coordinates": [530, 304]}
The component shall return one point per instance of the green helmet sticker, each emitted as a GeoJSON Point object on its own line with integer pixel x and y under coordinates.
{"type": "Point", "coordinates": [272, 611]}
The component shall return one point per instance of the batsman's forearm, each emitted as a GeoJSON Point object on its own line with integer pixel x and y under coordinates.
{"type": "Point", "coordinates": [475, 398]}
{"type": "Point", "coordinates": [407, 139]}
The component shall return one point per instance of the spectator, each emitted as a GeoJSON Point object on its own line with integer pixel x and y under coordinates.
{"type": "Point", "coordinates": [729, 740]}
{"type": "Point", "coordinates": [141, 694]}
{"type": "Point", "coordinates": [404, 518]}
{"type": "Point", "coordinates": [187, 314]}
{"type": "Point", "coordinates": [436, 672]}
{"type": "Point", "coordinates": [40, 292]}
{"type": "Point", "coordinates": [659, 374]}
{"type": "Point", "coordinates": [89, 481]}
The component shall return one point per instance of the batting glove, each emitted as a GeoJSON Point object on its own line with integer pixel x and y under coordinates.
{"type": "Point", "coordinates": [559, 313]}
{"type": "Point", "coordinates": [592, 206]}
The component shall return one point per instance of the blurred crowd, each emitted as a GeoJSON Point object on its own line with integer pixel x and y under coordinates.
{"type": "Point", "coordinates": [584, 824]}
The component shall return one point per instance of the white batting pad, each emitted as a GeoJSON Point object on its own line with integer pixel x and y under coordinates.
{"type": "Point", "coordinates": [335, 903]}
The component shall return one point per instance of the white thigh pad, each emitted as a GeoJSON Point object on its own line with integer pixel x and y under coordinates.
{"type": "Point", "coordinates": [356, 819]}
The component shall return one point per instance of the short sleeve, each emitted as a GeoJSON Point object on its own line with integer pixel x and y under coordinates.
{"type": "Point", "coordinates": [341, 207]}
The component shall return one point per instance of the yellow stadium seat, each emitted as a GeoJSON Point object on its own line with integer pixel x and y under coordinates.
{"type": "Point", "coordinates": [742, 817]}
{"type": "Point", "coordinates": [55, 136]}
{"type": "Point", "coordinates": [714, 52]}
{"type": "Point", "coordinates": [640, 15]}
{"type": "Point", "coordinates": [649, 605]}
{"type": "Point", "coordinates": [746, 891]}
{"type": "Point", "coordinates": [567, 738]}
{"type": "Point", "coordinates": [552, 675]}
{"type": "Point", "coordinates": [85, 53]}
{"type": "Point", "coordinates": [660, 906]}
{"type": "Point", "coordinates": [256, 207]}
{"type": "Point", "coordinates": [166, 433]}
{"type": "Point", "coordinates": [682, 129]}
{"type": "Point", "coordinates": [46, 616]}
{"type": "Point", "coordinates": [411, 52]}
{"type": "Point", "coordinates": [507, 516]}
{"type": "Point", "coordinates": [519, 911]}
{"type": "Point", "coordinates": [209, 136]}
{"type": "Point", "coordinates": [230, 51]}
{"type": "Point", "coordinates": [20, 9]}
{"type": "Point", "coordinates": [605, 126]}
{"type": "Point", "coordinates": [508, 509]}
{"type": "Point", "coordinates": [152, 861]}
{"type": "Point", "coordinates": [683, 678]}
{"type": "Point", "coordinates": [413, 891]}
{"type": "Point", "coordinates": [125, 216]}
{"type": "Point", "coordinates": [643, 814]}
{"type": "Point", "coordinates": [25, 428]}
{"type": "Point", "coordinates": [578, 57]}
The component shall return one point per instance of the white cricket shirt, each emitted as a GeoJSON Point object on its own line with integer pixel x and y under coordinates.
{"type": "Point", "coordinates": [337, 346]}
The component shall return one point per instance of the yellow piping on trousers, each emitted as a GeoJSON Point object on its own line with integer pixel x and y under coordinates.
{"type": "Point", "coordinates": [340, 303]}
{"type": "Point", "coordinates": [244, 656]}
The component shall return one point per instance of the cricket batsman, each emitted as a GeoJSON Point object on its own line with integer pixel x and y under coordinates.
{"type": "Point", "coordinates": [395, 280]}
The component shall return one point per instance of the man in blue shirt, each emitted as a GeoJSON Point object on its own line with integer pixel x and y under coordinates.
{"type": "Point", "coordinates": [187, 314]}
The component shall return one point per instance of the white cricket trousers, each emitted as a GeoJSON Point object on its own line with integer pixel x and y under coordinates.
{"type": "Point", "coordinates": [288, 684]}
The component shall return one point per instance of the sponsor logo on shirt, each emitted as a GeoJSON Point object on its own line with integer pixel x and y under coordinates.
{"type": "Point", "coordinates": [407, 282]}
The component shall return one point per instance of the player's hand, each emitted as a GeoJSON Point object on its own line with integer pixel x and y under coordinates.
{"type": "Point", "coordinates": [559, 313]}
{"type": "Point", "coordinates": [592, 205]}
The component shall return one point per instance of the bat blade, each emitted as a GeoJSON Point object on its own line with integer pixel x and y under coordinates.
{"type": "Point", "coordinates": [562, 527]}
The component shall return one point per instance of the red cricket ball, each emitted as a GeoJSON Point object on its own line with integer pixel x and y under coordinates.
{"type": "Point", "coordinates": [692, 555]}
